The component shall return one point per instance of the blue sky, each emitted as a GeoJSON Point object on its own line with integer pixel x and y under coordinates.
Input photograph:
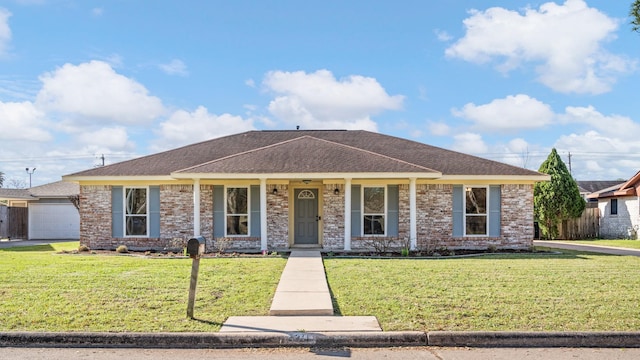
{"type": "Point", "coordinates": [505, 80]}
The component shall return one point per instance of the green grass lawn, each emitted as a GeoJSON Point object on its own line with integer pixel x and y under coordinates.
{"type": "Point", "coordinates": [570, 292]}
{"type": "Point", "coordinates": [44, 291]}
{"type": "Point", "coordinates": [41, 290]}
{"type": "Point", "coordinates": [631, 244]}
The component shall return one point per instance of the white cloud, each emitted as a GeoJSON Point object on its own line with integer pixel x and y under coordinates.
{"type": "Point", "coordinates": [442, 35]}
{"type": "Point", "coordinates": [469, 143]}
{"type": "Point", "coordinates": [184, 127]}
{"type": "Point", "coordinates": [320, 101]}
{"type": "Point", "coordinates": [439, 128]}
{"type": "Point", "coordinates": [597, 156]}
{"type": "Point", "coordinates": [621, 127]}
{"type": "Point", "coordinates": [113, 138]}
{"type": "Point", "coordinates": [5, 31]}
{"type": "Point", "coordinates": [175, 67]}
{"type": "Point", "coordinates": [514, 112]}
{"type": "Point", "coordinates": [565, 41]}
{"type": "Point", "coordinates": [94, 91]}
{"type": "Point", "coordinates": [22, 121]}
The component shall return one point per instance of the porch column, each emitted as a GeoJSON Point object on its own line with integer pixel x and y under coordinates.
{"type": "Point", "coordinates": [263, 214]}
{"type": "Point", "coordinates": [196, 207]}
{"type": "Point", "coordinates": [413, 226]}
{"type": "Point", "coordinates": [347, 214]}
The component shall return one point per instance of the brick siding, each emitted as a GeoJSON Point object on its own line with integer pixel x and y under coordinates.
{"type": "Point", "coordinates": [434, 219]}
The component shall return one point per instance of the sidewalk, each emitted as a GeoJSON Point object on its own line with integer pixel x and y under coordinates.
{"type": "Point", "coordinates": [567, 245]}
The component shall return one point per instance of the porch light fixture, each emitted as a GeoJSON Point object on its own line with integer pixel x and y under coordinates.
{"type": "Point", "coordinates": [275, 191]}
{"type": "Point", "coordinates": [306, 181]}
{"type": "Point", "coordinates": [336, 191]}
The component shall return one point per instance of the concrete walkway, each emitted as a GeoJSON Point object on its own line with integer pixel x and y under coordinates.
{"type": "Point", "coordinates": [567, 245]}
{"type": "Point", "coordinates": [302, 302]}
{"type": "Point", "coordinates": [303, 288]}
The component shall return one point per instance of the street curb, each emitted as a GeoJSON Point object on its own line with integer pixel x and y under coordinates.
{"type": "Point", "coordinates": [325, 339]}
{"type": "Point", "coordinates": [534, 339]}
{"type": "Point", "coordinates": [212, 340]}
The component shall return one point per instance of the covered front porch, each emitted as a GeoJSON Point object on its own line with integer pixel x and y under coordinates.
{"type": "Point", "coordinates": [276, 213]}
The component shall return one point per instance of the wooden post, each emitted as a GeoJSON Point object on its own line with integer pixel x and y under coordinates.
{"type": "Point", "coordinates": [195, 267]}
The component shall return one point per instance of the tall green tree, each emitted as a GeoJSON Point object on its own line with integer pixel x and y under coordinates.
{"type": "Point", "coordinates": [1, 179]}
{"type": "Point", "coordinates": [634, 13]}
{"type": "Point", "coordinates": [558, 199]}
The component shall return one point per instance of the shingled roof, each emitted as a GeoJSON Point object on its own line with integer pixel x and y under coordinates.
{"type": "Point", "coordinates": [58, 189]}
{"type": "Point", "coordinates": [307, 151]}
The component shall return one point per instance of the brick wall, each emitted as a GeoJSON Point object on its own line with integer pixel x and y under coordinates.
{"type": "Point", "coordinates": [434, 219]}
{"type": "Point", "coordinates": [277, 217]}
{"type": "Point", "coordinates": [333, 217]}
{"type": "Point", "coordinates": [176, 215]}
{"type": "Point", "coordinates": [95, 215]}
{"type": "Point", "coordinates": [622, 225]}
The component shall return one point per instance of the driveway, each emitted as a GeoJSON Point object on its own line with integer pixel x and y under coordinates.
{"type": "Point", "coordinates": [567, 245]}
{"type": "Point", "coordinates": [4, 244]}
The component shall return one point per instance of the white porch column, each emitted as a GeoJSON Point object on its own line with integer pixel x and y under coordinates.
{"type": "Point", "coordinates": [196, 207]}
{"type": "Point", "coordinates": [347, 214]}
{"type": "Point", "coordinates": [413, 226]}
{"type": "Point", "coordinates": [263, 214]}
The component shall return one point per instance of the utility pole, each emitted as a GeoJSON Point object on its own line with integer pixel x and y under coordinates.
{"type": "Point", "coordinates": [570, 172]}
{"type": "Point", "coordinates": [30, 172]}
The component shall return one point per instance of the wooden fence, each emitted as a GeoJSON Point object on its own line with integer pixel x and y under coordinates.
{"type": "Point", "coordinates": [586, 226]}
{"type": "Point", "coordinates": [13, 222]}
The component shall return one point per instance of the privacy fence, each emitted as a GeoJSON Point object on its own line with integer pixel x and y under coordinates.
{"type": "Point", "coordinates": [13, 222]}
{"type": "Point", "coordinates": [587, 226]}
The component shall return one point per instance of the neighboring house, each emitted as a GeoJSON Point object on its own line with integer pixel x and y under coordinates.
{"type": "Point", "coordinates": [619, 207]}
{"type": "Point", "coordinates": [588, 187]}
{"type": "Point", "coordinates": [337, 190]}
{"type": "Point", "coordinates": [51, 215]}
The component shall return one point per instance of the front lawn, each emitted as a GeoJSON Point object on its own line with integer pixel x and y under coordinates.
{"type": "Point", "coordinates": [528, 292]}
{"type": "Point", "coordinates": [630, 244]}
{"type": "Point", "coordinates": [41, 290]}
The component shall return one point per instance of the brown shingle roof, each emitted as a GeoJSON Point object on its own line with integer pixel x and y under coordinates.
{"type": "Point", "coordinates": [412, 153]}
{"type": "Point", "coordinates": [307, 154]}
{"type": "Point", "coordinates": [51, 190]}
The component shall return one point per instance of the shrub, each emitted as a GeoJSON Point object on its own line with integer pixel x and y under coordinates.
{"type": "Point", "coordinates": [122, 249]}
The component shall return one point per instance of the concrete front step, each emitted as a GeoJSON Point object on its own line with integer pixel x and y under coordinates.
{"type": "Point", "coordinates": [300, 324]}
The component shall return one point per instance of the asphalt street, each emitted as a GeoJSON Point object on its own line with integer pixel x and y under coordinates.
{"type": "Point", "coordinates": [423, 353]}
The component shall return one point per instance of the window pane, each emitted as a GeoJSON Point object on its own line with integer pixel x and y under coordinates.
{"type": "Point", "coordinates": [136, 226]}
{"type": "Point", "coordinates": [476, 225]}
{"type": "Point", "coordinates": [374, 225]}
{"type": "Point", "coordinates": [237, 201]}
{"type": "Point", "coordinates": [374, 200]}
{"type": "Point", "coordinates": [237, 225]}
{"type": "Point", "coordinates": [476, 200]}
{"type": "Point", "coordinates": [136, 201]}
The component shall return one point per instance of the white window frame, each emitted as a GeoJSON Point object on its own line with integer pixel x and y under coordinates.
{"type": "Point", "coordinates": [386, 209]}
{"type": "Point", "coordinates": [125, 215]}
{"type": "Point", "coordinates": [226, 215]}
{"type": "Point", "coordinates": [485, 215]}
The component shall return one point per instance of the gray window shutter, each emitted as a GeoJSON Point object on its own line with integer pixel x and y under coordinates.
{"type": "Point", "coordinates": [458, 213]}
{"type": "Point", "coordinates": [219, 222]}
{"type": "Point", "coordinates": [393, 203]}
{"type": "Point", "coordinates": [117, 208]}
{"type": "Point", "coordinates": [255, 211]}
{"type": "Point", "coordinates": [494, 210]}
{"type": "Point", "coordinates": [356, 214]}
{"type": "Point", "coordinates": [154, 211]}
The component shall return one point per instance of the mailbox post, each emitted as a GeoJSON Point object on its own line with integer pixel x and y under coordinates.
{"type": "Point", "coordinates": [195, 249]}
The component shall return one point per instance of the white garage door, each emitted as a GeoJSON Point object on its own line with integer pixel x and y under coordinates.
{"type": "Point", "coordinates": [54, 221]}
